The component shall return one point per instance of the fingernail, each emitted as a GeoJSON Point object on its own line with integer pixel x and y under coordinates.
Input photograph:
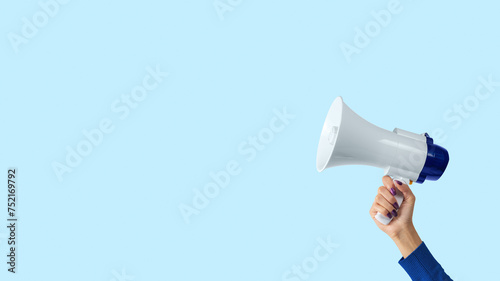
{"type": "Point", "coordinates": [393, 191]}
{"type": "Point", "coordinates": [398, 182]}
{"type": "Point", "coordinates": [396, 205]}
{"type": "Point", "coordinates": [394, 213]}
{"type": "Point", "coordinates": [389, 215]}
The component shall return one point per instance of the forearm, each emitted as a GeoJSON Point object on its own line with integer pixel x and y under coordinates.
{"type": "Point", "coordinates": [418, 262]}
{"type": "Point", "coordinates": [407, 241]}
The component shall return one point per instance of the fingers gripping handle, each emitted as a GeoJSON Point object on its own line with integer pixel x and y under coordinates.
{"type": "Point", "coordinates": [399, 198]}
{"type": "Point", "coordinates": [382, 218]}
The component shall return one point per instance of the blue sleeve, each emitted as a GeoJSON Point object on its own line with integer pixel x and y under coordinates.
{"type": "Point", "coordinates": [421, 266]}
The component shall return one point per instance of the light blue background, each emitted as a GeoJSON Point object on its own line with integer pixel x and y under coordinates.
{"type": "Point", "coordinates": [119, 208]}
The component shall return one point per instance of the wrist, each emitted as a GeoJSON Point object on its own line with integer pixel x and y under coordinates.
{"type": "Point", "coordinates": [407, 240]}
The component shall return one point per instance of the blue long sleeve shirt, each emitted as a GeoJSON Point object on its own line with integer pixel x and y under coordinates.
{"type": "Point", "coordinates": [422, 266]}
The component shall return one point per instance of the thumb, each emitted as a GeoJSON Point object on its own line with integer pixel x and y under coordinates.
{"type": "Point", "coordinates": [405, 189]}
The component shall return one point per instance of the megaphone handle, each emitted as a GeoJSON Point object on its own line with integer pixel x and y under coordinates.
{"type": "Point", "coordinates": [399, 198]}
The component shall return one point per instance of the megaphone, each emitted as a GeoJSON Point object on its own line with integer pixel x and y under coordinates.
{"type": "Point", "coordinates": [348, 139]}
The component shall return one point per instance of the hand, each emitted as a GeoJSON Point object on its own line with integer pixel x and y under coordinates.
{"type": "Point", "coordinates": [400, 229]}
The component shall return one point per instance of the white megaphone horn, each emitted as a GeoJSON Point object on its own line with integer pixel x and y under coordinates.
{"type": "Point", "coordinates": [348, 139]}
